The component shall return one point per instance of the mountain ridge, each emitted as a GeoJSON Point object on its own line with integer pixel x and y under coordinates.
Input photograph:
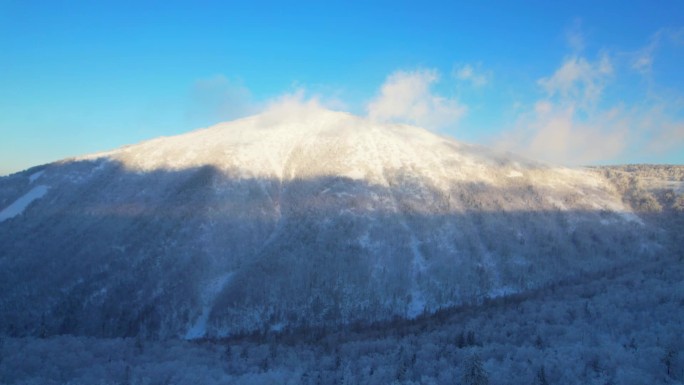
{"type": "Point", "coordinates": [295, 218]}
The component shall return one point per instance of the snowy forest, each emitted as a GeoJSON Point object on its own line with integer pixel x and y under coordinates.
{"type": "Point", "coordinates": [621, 328]}
{"type": "Point", "coordinates": [341, 193]}
{"type": "Point", "coordinates": [617, 326]}
{"type": "Point", "coordinates": [339, 252]}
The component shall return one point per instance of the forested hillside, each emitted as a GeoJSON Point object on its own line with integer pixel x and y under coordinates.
{"type": "Point", "coordinates": [623, 327]}
{"type": "Point", "coordinates": [330, 249]}
{"type": "Point", "coordinates": [656, 194]}
{"type": "Point", "coordinates": [313, 219]}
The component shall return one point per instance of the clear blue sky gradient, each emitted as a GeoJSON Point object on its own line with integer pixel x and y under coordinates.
{"type": "Point", "coordinates": [80, 77]}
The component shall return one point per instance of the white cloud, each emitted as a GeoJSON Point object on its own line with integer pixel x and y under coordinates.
{"type": "Point", "coordinates": [555, 133]}
{"type": "Point", "coordinates": [664, 131]}
{"type": "Point", "coordinates": [217, 98]}
{"type": "Point", "coordinates": [578, 79]}
{"type": "Point", "coordinates": [407, 97]}
{"type": "Point", "coordinates": [572, 125]}
{"type": "Point", "coordinates": [476, 78]}
{"type": "Point", "coordinates": [289, 105]}
{"type": "Point", "coordinates": [643, 62]}
{"type": "Point", "coordinates": [575, 37]}
{"type": "Point", "coordinates": [643, 59]}
{"type": "Point", "coordinates": [567, 134]}
{"type": "Point", "coordinates": [669, 137]}
{"type": "Point", "coordinates": [299, 104]}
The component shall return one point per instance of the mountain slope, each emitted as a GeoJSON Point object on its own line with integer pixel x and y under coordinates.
{"type": "Point", "coordinates": [295, 218]}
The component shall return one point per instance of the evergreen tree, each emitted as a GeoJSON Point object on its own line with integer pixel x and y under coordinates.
{"type": "Point", "coordinates": [541, 377]}
{"type": "Point", "coordinates": [461, 340]}
{"type": "Point", "coordinates": [470, 340]}
{"type": "Point", "coordinates": [669, 359]}
{"type": "Point", "coordinates": [474, 373]}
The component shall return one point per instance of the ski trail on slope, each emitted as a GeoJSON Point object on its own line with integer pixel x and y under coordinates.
{"type": "Point", "coordinates": [33, 177]}
{"type": "Point", "coordinates": [17, 207]}
{"type": "Point", "coordinates": [208, 296]}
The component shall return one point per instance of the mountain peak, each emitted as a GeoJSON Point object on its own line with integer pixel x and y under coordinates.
{"type": "Point", "coordinates": [306, 137]}
{"type": "Point", "coordinates": [300, 217]}
{"type": "Point", "coordinates": [294, 140]}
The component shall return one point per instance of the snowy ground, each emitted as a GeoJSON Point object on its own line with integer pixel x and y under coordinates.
{"type": "Point", "coordinates": [623, 328]}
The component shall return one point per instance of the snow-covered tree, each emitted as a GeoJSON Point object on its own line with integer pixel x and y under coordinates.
{"type": "Point", "coordinates": [474, 373]}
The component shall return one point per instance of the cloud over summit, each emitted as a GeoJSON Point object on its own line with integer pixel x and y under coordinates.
{"type": "Point", "coordinates": [407, 97]}
{"type": "Point", "coordinates": [578, 80]}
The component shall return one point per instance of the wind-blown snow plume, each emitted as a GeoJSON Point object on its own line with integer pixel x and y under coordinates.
{"type": "Point", "coordinates": [407, 97]}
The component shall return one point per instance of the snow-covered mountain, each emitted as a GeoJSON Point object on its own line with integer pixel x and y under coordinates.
{"type": "Point", "coordinates": [293, 218]}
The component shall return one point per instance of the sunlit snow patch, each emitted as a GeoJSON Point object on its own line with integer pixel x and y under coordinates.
{"type": "Point", "coordinates": [22, 203]}
{"type": "Point", "coordinates": [35, 175]}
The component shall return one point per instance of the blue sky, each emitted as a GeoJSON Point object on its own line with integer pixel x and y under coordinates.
{"type": "Point", "coordinates": [577, 82]}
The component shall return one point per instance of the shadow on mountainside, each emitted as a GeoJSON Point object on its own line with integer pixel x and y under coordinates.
{"type": "Point", "coordinates": [109, 251]}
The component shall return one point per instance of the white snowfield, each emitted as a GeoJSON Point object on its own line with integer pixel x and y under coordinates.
{"type": "Point", "coordinates": [18, 206]}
